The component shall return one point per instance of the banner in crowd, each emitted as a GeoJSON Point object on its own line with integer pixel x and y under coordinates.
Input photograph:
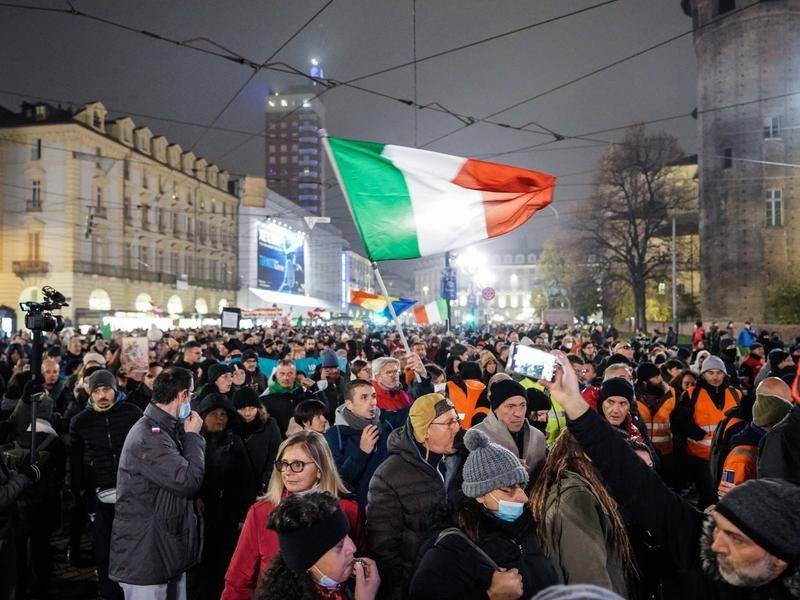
{"type": "Point", "coordinates": [134, 354]}
{"type": "Point", "coordinates": [306, 365]}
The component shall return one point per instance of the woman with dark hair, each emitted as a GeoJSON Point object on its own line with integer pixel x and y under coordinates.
{"type": "Point", "coordinates": [13, 354]}
{"type": "Point", "coordinates": [317, 557]}
{"type": "Point", "coordinates": [495, 551]}
{"type": "Point", "coordinates": [260, 435]}
{"type": "Point", "coordinates": [683, 381]}
{"type": "Point", "coordinates": [579, 522]}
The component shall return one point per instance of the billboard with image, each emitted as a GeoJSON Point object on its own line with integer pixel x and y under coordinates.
{"type": "Point", "coordinates": [281, 259]}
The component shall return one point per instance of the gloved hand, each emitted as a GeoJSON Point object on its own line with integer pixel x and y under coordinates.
{"type": "Point", "coordinates": [29, 469]}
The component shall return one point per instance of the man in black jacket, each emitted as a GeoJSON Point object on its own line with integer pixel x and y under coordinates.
{"type": "Point", "coordinates": [157, 533]}
{"type": "Point", "coordinates": [11, 486]}
{"type": "Point", "coordinates": [749, 545]}
{"type": "Point", "coordinates": [97, 435]}
{"type": "Point", "coordinates": [284, 394]}
{"type": "Point", "coordinates": [779, 450]}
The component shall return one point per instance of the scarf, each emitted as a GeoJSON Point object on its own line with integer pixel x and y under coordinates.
{"type": "Point", "coordinates": [359, 423]}
{"type": "Point", "coordinates": [277, 388]}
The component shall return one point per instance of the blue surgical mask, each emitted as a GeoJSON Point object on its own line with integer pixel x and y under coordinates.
{"type": "Point", "coordinates": [186, 409]}
{"type": "Point", "coordinates": [508, 511]}
{"type": "Point", "coordinates": [326, 581]}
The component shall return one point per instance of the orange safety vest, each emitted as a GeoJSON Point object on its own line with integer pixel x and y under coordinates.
{"type": "Point", "coordinates": [707, 417]}
{"type": "Point", "coordinates": [466, 404]}
{"type": "Point", "coordinates": [658, 427]}
{"type": "Point", "coordinates": [742, 460]}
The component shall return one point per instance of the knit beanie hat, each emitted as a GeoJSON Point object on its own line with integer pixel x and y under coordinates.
{"type": "Point", "coordinates": [776, 356]}
{"type": "Point", "coordinates": [249, 355]}
{"type": "Point", "coordinates": [489, 466]}
{"type": "Point", "coordinates": [766, 511]}
{"type": "Point", "coordinates": [576, 592]}
{"type": "Point", "coordinates": [216, 370]}
{"type": "Point", "coordinates": [246, 396]}
{"type": "Point", "coordinates": [470, 370]}
{"type": "Point", "coordinates": [94, 357]}
{"type": "Point", "coordinates": [769, 410]}
{"type": "Point", "coordinates": [537, 399]}
{"type": "Point", "coordinates": [424, 410]}
{"type": "Point", "coordinates": [503, 390]}
{"type": "Point", "coordinates": [329, 359]}
{"type": "Point", "coordinates": [102, 378]}
{"type": "Point", "coordinates": [647, 371]}
{"type": "Point", "coordinates": [712, 362]}
{"type": "Point", "coordinates": [616, 386]}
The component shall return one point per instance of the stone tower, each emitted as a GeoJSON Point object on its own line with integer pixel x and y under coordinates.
{"type": "Point", "coordinates": [748, 102]}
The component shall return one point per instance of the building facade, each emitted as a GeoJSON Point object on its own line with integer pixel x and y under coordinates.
{"type": "Point", "coordinates": [123, 222]}
{"type": "Point", "coordinates": [748, 114]}
{"type": "Point", "coordinates": [294, 152]}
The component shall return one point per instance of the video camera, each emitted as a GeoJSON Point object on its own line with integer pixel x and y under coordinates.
{"type": "Point", "coordinates": [38, 315]}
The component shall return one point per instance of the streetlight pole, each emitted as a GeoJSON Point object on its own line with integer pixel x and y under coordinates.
{"type": "Point", "coordinates": [674, 281]}
{"type": "Point", "coordinates": [447, 300]}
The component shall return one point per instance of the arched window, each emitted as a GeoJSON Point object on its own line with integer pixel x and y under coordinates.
{"type": "Point", "coordinates": [175, 305]}
{"type": "Point", "coordinates": [144, 302]}
{"type": "Point", "coordinates": [200, 306]}
{"type": "Point", "coordinates": [99, 300]}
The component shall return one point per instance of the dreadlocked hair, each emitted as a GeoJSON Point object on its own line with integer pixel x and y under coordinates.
{"type": "Point", "coordinates": [567, 455]}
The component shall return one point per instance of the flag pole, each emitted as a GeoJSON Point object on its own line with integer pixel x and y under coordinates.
{"type": "Point", "coordinates": [323, 134]}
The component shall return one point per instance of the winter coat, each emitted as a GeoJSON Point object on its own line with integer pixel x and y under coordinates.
{"type": "Point", "coordinates": [674, 522]}
{"type": "Point", "coordinates": [141, 396]}
{"type": "Point", "coordinates": [408, 500]}
{"type": "Point", "coordinates": [533, 447]}
{"type": "Point", "coordinates": [258, 545]}
{"type": "Point", "coordinates": [281, 405]}
{"type": "Point", "coordinates": [11, 486]}
{"type": "Point", "coordinates": [580, 536]}
{"type": "Point", "coordinates": [468, 575]}
{"type": "Point", "coordinates": [157, 533]}
{"type": "Point", "coordinates": [779, 450]}
{"type": "Point", "coordinates": [261, 441]}
{"type": "Point", "coordinates": [96, 442]}
{"type": "Point", "coordinates": [354, 465]}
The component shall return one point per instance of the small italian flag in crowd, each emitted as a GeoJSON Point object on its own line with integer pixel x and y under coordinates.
{"type": "Point", "coordinates": [408, 203]}
{"type": "Point", "coordinates": [432, 313]}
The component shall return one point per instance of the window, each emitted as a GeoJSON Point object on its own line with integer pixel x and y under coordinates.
{"type": "Point", "coordinates": [96, 122]}
{"type": "Point", "coordinates": [726, 6]}
{"type": "Point", "coordinates": [126, 211]}
{"type": "Point", "coordinates": [145, 184]}
{"type": "Point", "coordinates": [126, 135]}
{"type": "Point", "coordinates": [772, 127]}
{"type": "Point", "coordinates": [34, 245]}
{"type": "Point", "coordinates": [41, 112]}
{"type": "Point", "coordinates": [145, 216]}
{"type": "Point", "coordinates": [727, 158]}
{"type": "Point", "coordinates": [35, 203]}
{"type": "Point", "coordinates": [143, 256]}
{"type": "Point", "coordinates": [159, 260]}
{"type": "Point", "coordinates": [36, 149]}
{"type": "Point", "coordinates": [507, 259]}
{"type": "Point", "coordinates": [774, 206]}
{"type": "Point", "coordinates": [519, 259]}
{"type": "Point", "coordinates": [98, 153]}
{"type": "Point", "coordinates": [126, 170]}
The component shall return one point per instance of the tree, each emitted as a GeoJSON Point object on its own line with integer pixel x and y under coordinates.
{"type": "Point", "coordinates": [781, 305]}
{"type": "Point", "coordinates": [625, 222]}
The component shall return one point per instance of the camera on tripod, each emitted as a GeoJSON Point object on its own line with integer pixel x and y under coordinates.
{"type": "Point", "coordinates": [38, 315]}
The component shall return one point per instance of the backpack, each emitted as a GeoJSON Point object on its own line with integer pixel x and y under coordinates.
{"type": "Point", "coordinates": [729, 426]}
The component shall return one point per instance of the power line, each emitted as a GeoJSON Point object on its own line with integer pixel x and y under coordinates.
{"type": "Point", "coordinates": [491, 38]}
{"type": "Point", "coordinates": [256, 70]}
{"type": "Point", "coordinates": [596, 71]}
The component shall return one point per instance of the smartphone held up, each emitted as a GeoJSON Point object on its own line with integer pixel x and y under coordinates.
{"type": "Point", "coordinates": [531, 362]}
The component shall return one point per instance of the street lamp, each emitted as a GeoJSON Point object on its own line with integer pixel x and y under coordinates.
{"type": "Point", "coordinates": [425, 290]}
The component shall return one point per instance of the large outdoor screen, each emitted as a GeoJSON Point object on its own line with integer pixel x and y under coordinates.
{"type": "Point", "coordinates": [281, 259]}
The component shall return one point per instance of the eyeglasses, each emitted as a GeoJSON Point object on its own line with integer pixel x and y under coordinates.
{"type": "Point", "coordinates": [296, 466]}
{"type": "Point", "coordinates": [451, 423]}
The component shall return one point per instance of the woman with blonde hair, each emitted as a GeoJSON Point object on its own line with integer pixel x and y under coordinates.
{"type": "Point", "coordinates": [304, 463]}
{"type": "Point", "coordinates": [579, 523]}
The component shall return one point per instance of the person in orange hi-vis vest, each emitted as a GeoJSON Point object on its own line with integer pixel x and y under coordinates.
{"type": "Point", "coordinates": [773, 403]}
{"type": "Point", "coordinates": [656, 401]}
{"type": "Point", "coordinates": [695, 418]}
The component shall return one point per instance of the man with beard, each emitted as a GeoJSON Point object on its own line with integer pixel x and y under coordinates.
{"type": "Point", "coordinates": [697, 415]}
{"type": "Point", "coordinates": [254, 378]}
{"type": "Point", "coordinates": [284, 394]}
{"type": "Point", "coordinates": [749, 544]}
{"type": "Point", "coordinates": [656, 401]}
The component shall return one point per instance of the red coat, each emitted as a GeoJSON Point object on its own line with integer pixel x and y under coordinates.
{"type": "Point", "coordinates": [258, 545]}
{"type": "Point", "coordinates": [391, 400]}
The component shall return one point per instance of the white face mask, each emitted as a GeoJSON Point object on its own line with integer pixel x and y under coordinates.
{"type": "Point", "coordinates": [326, 581]}
{"type": "Point", "coordinates": [439, 388]}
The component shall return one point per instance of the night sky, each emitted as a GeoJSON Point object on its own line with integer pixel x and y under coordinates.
{"type": "Point", "coordinates": [75, 59]}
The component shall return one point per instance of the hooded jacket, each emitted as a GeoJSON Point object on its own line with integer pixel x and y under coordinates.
{"type": "Point", "coordinates": [533, 446]}
{"type": "Point", "coordinates": [674, 523]}
{"type": "Point", "coordinates": [779, 450]}
{"type": "Point", "coordinates": [355, 466]}
{"type": "Point", "coordinates": [408, 500]}
{"type": "Point", "coordinates": [157, 533]}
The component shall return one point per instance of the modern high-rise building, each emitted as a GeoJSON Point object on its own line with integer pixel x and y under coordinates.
{"type": "Point", "coordinates": [748, 57]}
{"type": "Point", "coordinates": [295, 165]}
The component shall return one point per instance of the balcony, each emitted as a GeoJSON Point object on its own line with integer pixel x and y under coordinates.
{"type": "Point", "coordinates": [33, 205]}
{"type": "Point", "coordinates": [23, 268]}
{"type": "Point", "coordinates": [214, 284]}
{"type": "Point", "coordinates": [93, 268]}
{"type": "Point", "coordinates": [100, 212]}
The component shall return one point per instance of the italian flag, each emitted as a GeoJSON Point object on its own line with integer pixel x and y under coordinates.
{"type": "Point", "coordinates": [408, 203]}
{"type": "Point", "coordinates": [434, 312]}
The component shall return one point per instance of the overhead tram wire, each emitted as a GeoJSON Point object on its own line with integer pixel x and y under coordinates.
{"type": "Point", "coordinates": [257, 70]}
{"type": "Point", "coordinates": [594, 72]}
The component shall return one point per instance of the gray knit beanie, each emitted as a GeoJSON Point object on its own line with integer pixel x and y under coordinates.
{"type": "Point", "coordinates": [576, 592]}
{"type": "Point", "coordinates": [102, 378]}
{"type": "Point", "coordinates": [489, 466]}
{"type": "Point", "coordinates": [713, 362]}
{"type": "Point", "coordinates": [766, 510]}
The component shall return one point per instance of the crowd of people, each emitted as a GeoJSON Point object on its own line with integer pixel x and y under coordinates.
{"type": "Point", "coordinates": [285, 463]}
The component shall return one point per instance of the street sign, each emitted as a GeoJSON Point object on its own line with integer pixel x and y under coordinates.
{"type": "Point", "coordinates": [488, 294]}
{"type": "Point", "coordinates": [448, 284]}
